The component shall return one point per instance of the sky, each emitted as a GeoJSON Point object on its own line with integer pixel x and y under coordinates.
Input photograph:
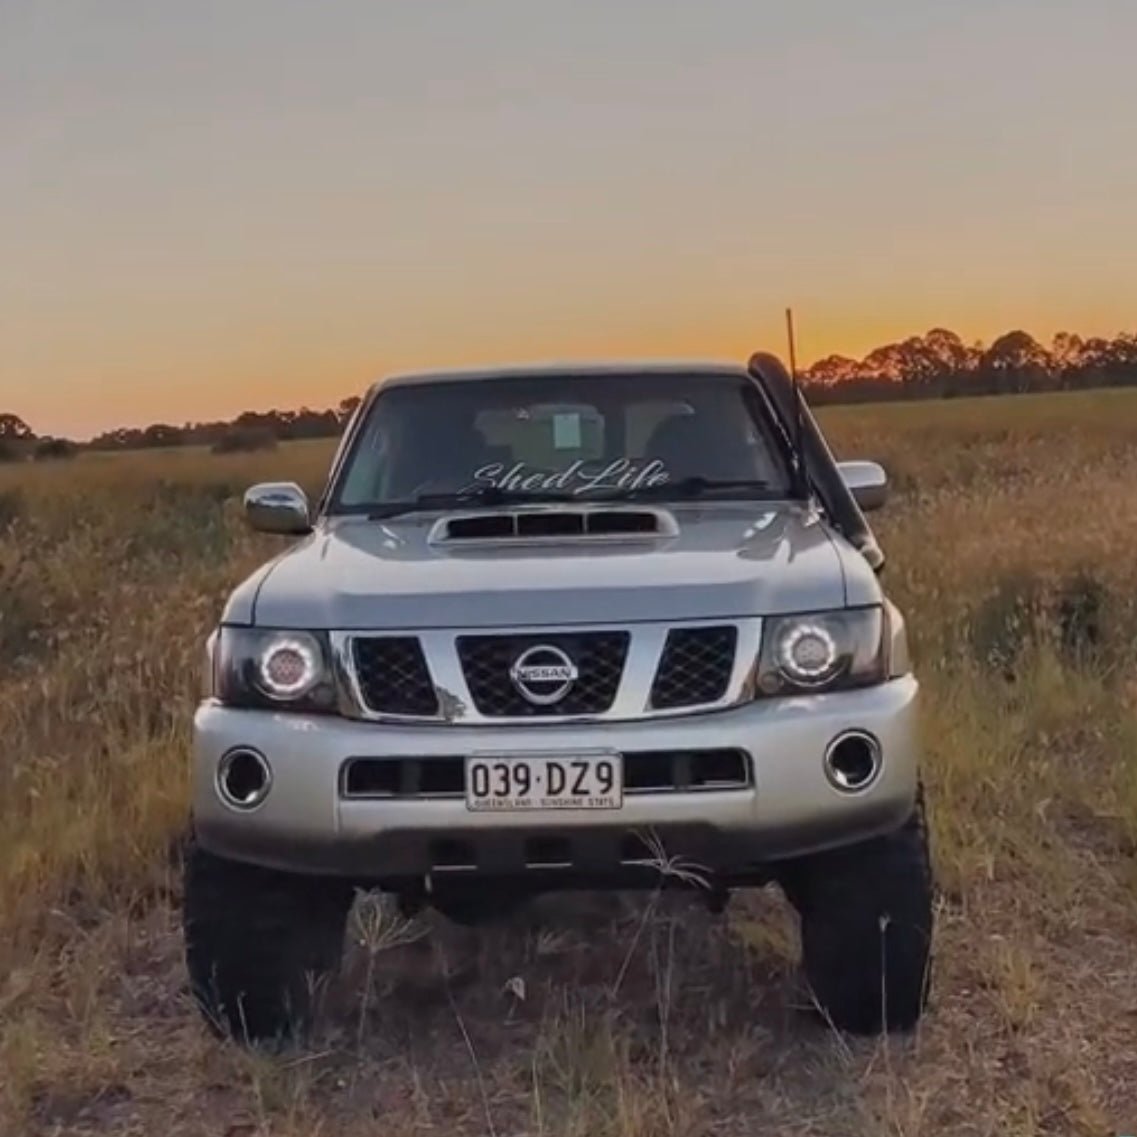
{"type": "Point", "coordinates": [230, 204]}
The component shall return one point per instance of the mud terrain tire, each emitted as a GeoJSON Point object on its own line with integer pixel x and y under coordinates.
{"type": "Point", "coordinates": [257, 944]}
{"type": "Point", "coordinates": [866, 928]}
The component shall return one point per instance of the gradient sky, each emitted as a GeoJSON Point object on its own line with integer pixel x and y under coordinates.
{"type": "Point", "coordinates": [214, 205]}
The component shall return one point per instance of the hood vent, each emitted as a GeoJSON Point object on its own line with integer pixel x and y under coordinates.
{"type": "Point", "coordinates": [557, 523]}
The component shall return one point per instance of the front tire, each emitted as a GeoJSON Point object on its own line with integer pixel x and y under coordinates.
{"type": "Point", "coordinates": [866, 928]}
{"type": "Point", "coordinates": [257, 944]}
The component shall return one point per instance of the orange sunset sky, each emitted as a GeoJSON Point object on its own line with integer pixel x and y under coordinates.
{"type": "Point", "coordinates": [217, 206]}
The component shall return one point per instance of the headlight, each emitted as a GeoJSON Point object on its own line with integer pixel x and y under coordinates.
{"type": "Point", "coordinates": [287, 670]}
{"type": "Point", "coordinates": [209, 666]}
{"type": "Point", "coordinates": [822, 651]}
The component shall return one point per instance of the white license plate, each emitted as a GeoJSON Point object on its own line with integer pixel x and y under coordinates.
{"type": "Point", "coordinates": [546, 781]}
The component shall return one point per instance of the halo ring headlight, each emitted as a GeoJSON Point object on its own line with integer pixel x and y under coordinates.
{"type": "Point", "coordinates": [807, 653]}
{"type": "Point", "coordinates": [811, 652]}
{"type": "Point", "coordinates": [288, 667]}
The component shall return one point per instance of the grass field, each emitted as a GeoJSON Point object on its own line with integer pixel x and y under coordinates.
{"type": "Point", "coordinates": [1012, 544]}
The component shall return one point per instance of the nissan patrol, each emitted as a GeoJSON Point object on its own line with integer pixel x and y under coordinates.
{"type": "Point", "coordinates": [552, 627]}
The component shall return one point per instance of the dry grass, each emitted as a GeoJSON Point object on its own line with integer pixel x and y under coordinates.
{"type": "Point", "coordinates": [1013, 548]}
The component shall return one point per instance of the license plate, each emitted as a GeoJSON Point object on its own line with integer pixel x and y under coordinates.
{"type": "Point", "coordinates": [561, 781]}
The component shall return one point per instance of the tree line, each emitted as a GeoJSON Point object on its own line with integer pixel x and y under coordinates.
{"type": "Point", "coordinates": [937, 365]}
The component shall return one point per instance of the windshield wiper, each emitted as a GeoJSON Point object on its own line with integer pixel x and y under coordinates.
{"type": "Point", "coordinates": [691, 489]}
{"type": "Point", "coordinates": [486, 495]}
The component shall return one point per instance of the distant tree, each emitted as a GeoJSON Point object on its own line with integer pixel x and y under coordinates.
{"type": "Point", "coordinates": [14, 429]}
{"type": "Point", "coordinates": [886, 362]}
{"type": "Point", "coordinates": [245, 439]}
{"type": "Point", "coordinates": [1067, 352]}
{"type": "Point", "coordinates": [948, 361]}
{"type": "Point", "coordinates": [162, 434]}
{"type": "Point", "coordinates": [1015, 363]}
{"type": "Point", "coordinates": [940, 365]}
{"type": "Point", "coordinates": [1119, 360]}
{"type": "Point", "coordinates": [917, 364]}
{"type": "Point", "coordinates": [833, 369]}
{"type": "Point", "coordinates": [937, 364]}
{"type": "Point", "coordinates": [54, 449]}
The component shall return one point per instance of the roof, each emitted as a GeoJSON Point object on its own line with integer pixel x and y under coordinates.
{"type": "Point", "coordinates": [616, 369]}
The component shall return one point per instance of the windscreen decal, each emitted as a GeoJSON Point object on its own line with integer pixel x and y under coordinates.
{"type": "Point", "coordinates": [623, 474]}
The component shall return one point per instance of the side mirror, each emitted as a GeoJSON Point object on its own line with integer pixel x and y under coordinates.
{"type": "Point", "coordinates": [867, 482]}
{"type": "Point", "coordinates": [278, 507]}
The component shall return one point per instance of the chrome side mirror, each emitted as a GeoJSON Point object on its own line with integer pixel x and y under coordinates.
{"type": "Point", "coordinates": [867, 482]}
{"type": "Point", "coordinates": [278, 507]}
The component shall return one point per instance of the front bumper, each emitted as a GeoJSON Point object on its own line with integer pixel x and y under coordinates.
{"type": "Point", "coordinates": [306, 824]}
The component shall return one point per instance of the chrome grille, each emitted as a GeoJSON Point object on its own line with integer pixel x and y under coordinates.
{"type": "Point", "coordinates": [393, 676]}
{"type": "Point", "coordinates": [598, 656]}
{"type": "Point", "coordinates": [641, 671]}
{"type": "Point", "coordinates": [695, 667]}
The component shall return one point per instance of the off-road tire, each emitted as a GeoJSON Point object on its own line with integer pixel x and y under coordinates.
{"type": "Point", "coordinates": [866, 928]}
{"type": "Point", "coordinates": [258, 944]}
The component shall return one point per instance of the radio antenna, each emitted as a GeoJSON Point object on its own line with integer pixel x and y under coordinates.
{"type": "Point", "coordinates": [799, 416]}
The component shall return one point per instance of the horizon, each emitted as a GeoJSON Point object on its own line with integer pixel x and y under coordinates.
{"type": "Point", "coordinates": [216, 209]}
{"type": "Point", "coordinates": [331, 402]}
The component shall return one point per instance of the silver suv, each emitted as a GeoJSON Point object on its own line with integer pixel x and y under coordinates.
{"type": "Point", "coordinates": [562, 627]}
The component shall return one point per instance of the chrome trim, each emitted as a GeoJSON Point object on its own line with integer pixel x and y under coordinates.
{"type": "Point", "coordinates": [867, 482]}
{"type": "Point", "coordinates": [278, 507]}
{"type": "Point", "coordinates": [836, 779]}
{"type": "Point", "coordinates": [227, 799]}
{"type": "Point", "coordinates": [633, 696]}
{"type": "Point", "coordinates": [520, 681]}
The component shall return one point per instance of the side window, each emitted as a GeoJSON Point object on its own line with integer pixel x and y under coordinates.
{"type": "Point", "coordinates": [363, 475]}
{"type": "Point", "coordinates": [339, 457]}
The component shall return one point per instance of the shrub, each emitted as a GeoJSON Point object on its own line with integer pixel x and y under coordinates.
{"type": "Point", "coordinates": [244, 440]}
{"type": "Point", "coordinates": [10, 451]}
{"type": "Point", "coordinates": [1074, 615]}
{"type": "Point", "coordinates": [11, 509]}
{"type": "Point", "coordinates": [1007, 619]}
{"type": "Point", "coordinates": [53, 449]}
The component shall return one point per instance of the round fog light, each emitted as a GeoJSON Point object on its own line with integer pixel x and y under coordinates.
{"type": "Point", "coordinates": [243, 778]}
{"type": "Point", "coordinates": [852, 761]}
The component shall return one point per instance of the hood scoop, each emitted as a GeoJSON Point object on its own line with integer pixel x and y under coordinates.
{"type": "Point", "coordinates": [557, 524]}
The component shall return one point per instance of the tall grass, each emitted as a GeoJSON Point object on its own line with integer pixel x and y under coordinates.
{"type": "Point", "coordinates": [1012, 545]}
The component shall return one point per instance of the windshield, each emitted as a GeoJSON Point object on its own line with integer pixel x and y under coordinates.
{"type": "Point", "coordinates": [551, 437]}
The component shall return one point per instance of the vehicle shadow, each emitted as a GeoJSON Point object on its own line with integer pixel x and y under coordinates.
{"type": "Point", "coordinates": [593, 994]}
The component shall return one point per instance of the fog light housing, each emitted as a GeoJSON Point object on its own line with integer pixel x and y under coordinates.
{"type": "Point", "coordinates": [244, 778]}
{"type": "Point", "coordinates": [852, 761]}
